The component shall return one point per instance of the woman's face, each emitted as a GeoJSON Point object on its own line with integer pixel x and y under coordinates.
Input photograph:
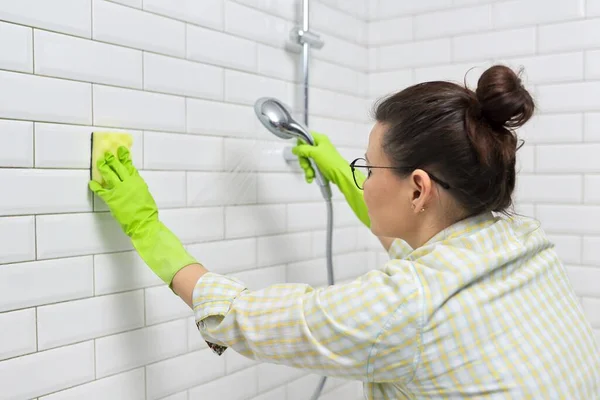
{"type": "Point", "coordinates": [388, 196]}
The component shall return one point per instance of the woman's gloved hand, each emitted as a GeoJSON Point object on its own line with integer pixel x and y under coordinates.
{"type": "Point", "coordinates": [335, 169]}
{"type": "Point", "coordinates": [131, 204]}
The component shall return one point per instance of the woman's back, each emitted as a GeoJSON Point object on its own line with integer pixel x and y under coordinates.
{"type": "Point", "coordinates": [499, 318]}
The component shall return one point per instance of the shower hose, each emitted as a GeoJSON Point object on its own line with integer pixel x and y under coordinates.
{"type": "Point", "coordinates": [330, 280]}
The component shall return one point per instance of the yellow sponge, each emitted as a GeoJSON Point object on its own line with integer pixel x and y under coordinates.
{"type": "Point", "coordinates": [103, 142]}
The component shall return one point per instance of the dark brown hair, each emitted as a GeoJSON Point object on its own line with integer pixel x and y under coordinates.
{"type": "Point", "coordinates": [465, 138]}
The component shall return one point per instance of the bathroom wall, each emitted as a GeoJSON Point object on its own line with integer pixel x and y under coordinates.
{"type": "Point", "coordinates": [556, 42]}
{"type": "Point", "coordinates": [80, 315]}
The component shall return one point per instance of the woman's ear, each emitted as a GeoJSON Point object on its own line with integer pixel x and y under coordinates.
{"type": "Point", "coordinates": [420, 189]}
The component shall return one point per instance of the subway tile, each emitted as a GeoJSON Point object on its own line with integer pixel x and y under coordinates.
{"type": "Point", "coordinates": [452, 22]}
{"type": "Point", "coordinates": [584, 279]}
{"type": "Point", "coordinates": [576, 35]}
{"type": "Point", "coordinates": [222, 119]}
{"type": "Point", "coordinates": [76, 321]}
{"type": "Point", "coordinates": [235, 361]}
{"type": "Point", "coordinates": [53, 370]}
{"type": "Point", "coordinates": [42, 282]}
{"type": "Point", "coordinates": [220, 48]}
{"type": "Point", "coordinates": [591, 127]}
{"type": "Point", "coordinates": [237, 386]}
{"type": "Point", "coordinates": [163, 305]}
{"type": "Point", "coordinates": [118, 272]}
{"type": "Point", "coordinates": [275, 394]}
{"type": "Point", "coordinates": [118, 353]}
{"type": "Point", "coordinates": [130, 3]}
{"type": "Point", "coordinates": [534, 12]}
{"type": "Point", "coordinates": [285, 188]}
{"type": "Point", "coordinates": [137, 109]}
{"type": "Point", "coordinates": [223, 188]}
{"type": "Point", "coordinates": [591, 189]}
{"type": "Point", "coordinates": [67, 16]}
{"type": "Point", "coordinates": [414, 54]}
{"type": "Point", "coordinates": [344, 240]}
{"type": "Point", "coordinates": [592, 64]}
{"type": "Point", "coordinates": [591, 308]}
{"type": "Point", "coordinates": [385, 83]}
{"type": "Point", "coordinates": [328, 103]}
{"type": "Point", "coordinates": [16, 144]}
{"type": "Point", "coordinates": [390, 31]}
{"type": "Point", "coordinates": [553, 128]}
{"type": "Point", "coordinates": [392, 8]}
{"type": "Point", "coordinates": [303, 388]}
{"type": "Point", "coordinates": [273, 375]}
{"type": "Point", "coordinates": [307, 216]}
{"type": "Point", "coordinates": [573, 158]}
{"type": "Point", "coordinates": [591, 250]}
{"type": "Point", "coordinates": [171, 151]}
{"type": "Point", "coordinates": [195, 339]}
{"type": "Point", "coordinates": [346, 391]}
{"type": "Point", "coordinates": [552, 68]}
{"type": "Point", "coordinates": [242, 87]}
{"type": "Point", "coordinates": [167, 187]}
{"type": "Point", "coordinates": [549, 188]}
{"type": "Point", "coordinates": [257, 155]}
{"type": "Point", "coordinates": [335, 77]}
{"type": "Point", "coordinates": [516, 42]}
{"type": "Point", "coordinates": [456, 72]}
{"type": "Point", "coordinates": [284, 248]}
{"type": "Point", "coordinates": [278, 63]}
{"type": "Point", "coordinates": [179, 373]}
{"type": "Point", "coordinates": [569, 219]}
{"type": "Point", "coordinates": [226, 256]}
{"type": "Point", "coordinates": [568, 247]}
{"type": "Point", "coordinates": [69, 146]}
{"type": "Point", "coordinates": [310, 272]}
{"type": "Point", "coordinates": [340, 132]}
{"type": "Point", "coordinates": [259, 279]}
{"type": "Point", "coordinates": [255, 220]}
{"type": "Point", "coordinates": [42, 191]}
{"type": "Point", "coordinates": [129, 385]}
{"type": "Point", "coordinates": [335, 22]}
{"type": "Point", "coordinates": [20, 233]}
{"type": "Point", "coordinates": [75, 58]}
{"type": "Point", "coordinates": [16, 47]}
{"type": "Point", "coordinates": [343, 52]}
{"type": "Point", "coordinates": [256, 25]}
{"type": "Point", "coordinates": [207, 12]}
{"type": "Point", "coordinates": [185, 223]}
{"type": "Point", "coordinates": [182, 77]}
{"type": "Point", "coordinates": [44, 99]}
{"type": "Point", "coordinates": [177, 396]}
{"type": "Point", "coordinates": [17, 336]}
{"type": "Point", "coordinates": [570, 97]}
{"type": "Point", "coordinates": [592, 8]}
{"type": "Point", "coordinates": [130, 27]}
{"type": "Point", "coordinates": [63, 235]}
{"type": "Point", "coordinates": [287, 9]}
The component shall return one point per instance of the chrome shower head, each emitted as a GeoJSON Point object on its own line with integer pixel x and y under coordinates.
{"type": "Point", "coordinates": [277, 118]}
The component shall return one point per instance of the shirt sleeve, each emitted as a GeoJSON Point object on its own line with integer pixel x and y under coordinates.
{"type": "Point", "coordinates": [333, 331]}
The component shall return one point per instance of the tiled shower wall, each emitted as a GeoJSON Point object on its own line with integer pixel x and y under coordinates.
{"type": "Point", "coordinates": [557, 42]}
{"type": "Point", "coordinates": [80, 315]}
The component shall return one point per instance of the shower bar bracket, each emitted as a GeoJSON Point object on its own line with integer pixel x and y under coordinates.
{"type": "Point", "coordinates": [301, 36]}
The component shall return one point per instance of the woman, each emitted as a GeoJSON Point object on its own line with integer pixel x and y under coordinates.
{"type": "Point", "coordinates": [470, 305]}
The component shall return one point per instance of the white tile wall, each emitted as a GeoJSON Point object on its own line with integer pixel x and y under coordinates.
{"type": "Point", "coordinates": [87, 318]}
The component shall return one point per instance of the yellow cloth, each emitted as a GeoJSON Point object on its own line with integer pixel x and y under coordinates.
{"type": "Point", "coordinates": [484, 310]}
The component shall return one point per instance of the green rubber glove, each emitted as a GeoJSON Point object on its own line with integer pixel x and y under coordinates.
{"type": "Point", "coordinates": [335, 169]}
{"type": "Point", "coordinates": [130, 202]}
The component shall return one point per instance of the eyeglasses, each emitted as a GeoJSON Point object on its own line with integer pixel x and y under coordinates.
{"type": "Point", "coordinates": [362, 163]}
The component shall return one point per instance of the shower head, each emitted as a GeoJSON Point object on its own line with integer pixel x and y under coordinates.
{"type": "Point", "coordinates": [277, 118]}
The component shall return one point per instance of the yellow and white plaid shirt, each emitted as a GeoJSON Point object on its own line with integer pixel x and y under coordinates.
{"type": "Point", "coordinates": [483, 310]}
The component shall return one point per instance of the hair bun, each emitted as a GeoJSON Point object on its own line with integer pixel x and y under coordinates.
{"type": "Point", "coordinates": [504, 101]}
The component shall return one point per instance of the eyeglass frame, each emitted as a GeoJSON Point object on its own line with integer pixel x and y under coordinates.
{"type": "Point", "coordinates": [353, 166]}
